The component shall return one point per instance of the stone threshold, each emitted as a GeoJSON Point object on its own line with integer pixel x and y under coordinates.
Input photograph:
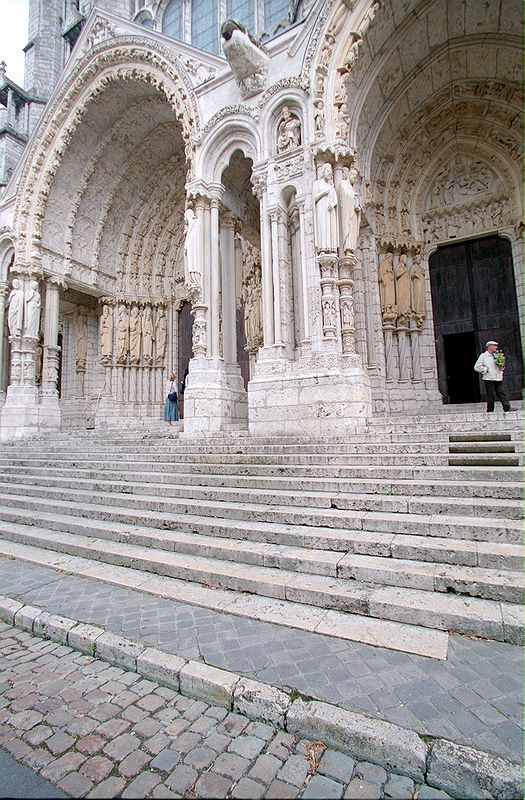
{"type": "Point", "coordinates": [460, 770]}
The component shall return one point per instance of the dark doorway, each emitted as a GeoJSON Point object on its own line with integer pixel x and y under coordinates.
{"type": "Point", "coordinates": [243, 357]}
{"type": "Point", "coordinates": [474, 299]}
{"type": "Point", "coordinates": [185, 348]}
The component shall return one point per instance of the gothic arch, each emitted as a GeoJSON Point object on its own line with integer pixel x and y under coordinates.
{"type": "Point", "coordinates": [217, 149]}
{"type": "Point", "coordinates": [155, 72]}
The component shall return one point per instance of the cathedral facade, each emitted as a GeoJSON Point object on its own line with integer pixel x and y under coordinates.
{"type": "Point", "coordinates": [313, 209]}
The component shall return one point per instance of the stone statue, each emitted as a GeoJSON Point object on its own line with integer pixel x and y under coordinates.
{"type": "Point", "coordinates": [147, 336]}
{"type": "Point", "coordinates": [418, 293]}
{"type": "Point", "coordinates": [248, 59]}
{"type": "Point", "coordinates": [16, 309]}
{"type": "Point", "coordinates": [106, 334]}
{"type": "Point", "coordinates": [122, 334]}
{"type": "Point", "coordinates": [402, 287]}
{"type": "Point", "coordinates": [387, 286]}
{"type": "Point", "coordinates": [349, 210]}
{"type": "Point", "coordinates": [32, 311]}
{"type": "Point", "coordinates": [253, 323]}
{"type": "Point", "coordinates": [325, 202]}
{"type": "Point", "coordinates": [80, 341]}
{"type": "Point", "coordinates": [191, 250]}
{"type": "Point", "coordinates": [161, 335]}
{"type": "Point", "coordinates": [319, 117]}
{"type": "Point", "coordinates": [135, 335]}
{"type": "Point", "coordinates": [288, 131]}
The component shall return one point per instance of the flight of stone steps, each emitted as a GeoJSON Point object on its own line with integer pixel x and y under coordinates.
{"type": "Point", "coordinates": [414, 521]}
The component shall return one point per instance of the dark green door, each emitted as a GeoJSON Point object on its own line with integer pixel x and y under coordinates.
{"type": "Point", "coordinates": [473, 300]}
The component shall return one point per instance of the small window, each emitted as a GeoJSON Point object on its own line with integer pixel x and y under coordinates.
{"type": "Point", "coordinates": [205, 25]}
{"type": "Point", "coordinates": [275, 11]}
{"type": "Point", "coordinates": [172, 19]}
{"type": "Point", "coordinates": [242, 11]}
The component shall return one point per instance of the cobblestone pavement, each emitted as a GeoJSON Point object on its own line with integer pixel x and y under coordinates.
{"type": "Point", "coordinates": [96, 730]}
{"type": "Point", "coordinates": [474, 697]}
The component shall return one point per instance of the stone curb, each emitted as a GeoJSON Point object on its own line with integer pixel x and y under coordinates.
{"type": "Point", "coordinates": [457, 769]}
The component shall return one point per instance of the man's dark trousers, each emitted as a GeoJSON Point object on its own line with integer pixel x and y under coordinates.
{"type": "Point", "coordinates": [495, 388]}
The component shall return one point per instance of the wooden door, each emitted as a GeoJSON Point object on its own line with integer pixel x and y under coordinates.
{"type": "Point", "coordinates": [185, 351]}
{"type": "Point", "coordinates": [473, 300]}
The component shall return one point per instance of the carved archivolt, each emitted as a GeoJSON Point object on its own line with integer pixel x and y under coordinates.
{"type": "Point", "coordinates": [130, 60]}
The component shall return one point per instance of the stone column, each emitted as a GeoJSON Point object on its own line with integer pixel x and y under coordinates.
{"type": "Point", "coordinates": [227, 235]}
{"type": "Point", "coordinates": [328, 267]}
{"type": "Point", "coordinates": [346, 302]}
{"type": "Point", "coordinates": [402, 332]}
{"type": "Point", "coordinates": [304, 271]}
{"type": "Point", "coordinates": [260, 191]}
{"type": "Point", "coordinates": [414, 333]}
{"type": "Point", "coordinates": [51, 356]}
{"type": "Point", "coordinates": [275, 218]}
{"type": "Point", "coordinates": [215, 279]}
{"type": "Point", "coordinates": [4, 288]}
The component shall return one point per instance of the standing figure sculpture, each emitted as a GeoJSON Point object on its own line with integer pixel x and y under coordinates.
{"type": "Point", "coordinates": [122, 334]}
{"type": "Point", "coordinates": [288, 131]}
{"type": "Point", "coordinates": [161, 335]}
{"type": "Point", "coordinates": [191, 250]}
{"type": "Point", "coordinates": [16, 309]}
{"type": "Point", "coordinates": [147, 336]}
{"type": "Point", "coordinates": [135, 335]}
{"type": "Point", "coordinates": [349, 210]}
{"type": "Point", "coordinates": [106, 334]}
{"type": "Point", "coordinates": [80, 341]}
{"type": "Point", "coordinates": [418, 293]}
{"type": "Point", "coordinates": [325, 202]}
{"type": "Point", "coordinates": [387, 286]}
{"type": "Point", "coordinates": [32, 311]}
{"type": "Point", "coordinates": [403, 288]}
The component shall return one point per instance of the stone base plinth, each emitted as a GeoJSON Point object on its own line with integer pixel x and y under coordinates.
{"type": "Point", "coordinates": [214, 399]}
{"type": "Point", "coordinates": [20, 413]}
{"type": "Point", "coordinates": [49, 414]}
{"type": "Point", "coordinates": [306, 399]}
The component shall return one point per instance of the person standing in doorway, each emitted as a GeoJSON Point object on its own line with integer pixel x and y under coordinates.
{"type": "Point", "coordinates": [171, 407]}
{"type": "Point", "coordinates": [491, 365]}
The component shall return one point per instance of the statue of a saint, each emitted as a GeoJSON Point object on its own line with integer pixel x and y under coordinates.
{"type": "Point", "coordinates": [325, 201]}
{"type": "Point", "coordinates": [16, 308]}
{"type": "Point", "coordinates": [161, 335]}
{"type": "Point", "coordinates": [147, 335]}
{"type": "Point", "coordinates": [122, 334]}
{"type": "Point", "coordinates": [32, 311]}
{"type": "Point", "coordinates": [418, 296]}
{"type": "Point", "coordinates": [80, 341]}
{"type": "Point", "coordinates": [106, 334]}
{"type": "Point", "coordinates": [253, 323]}
{"type": "Point", "coordinates": [288, 131]}
{"type": "Point", "coordinates": [135, 335]}
{"type": "Point", "coordinates": [387, 285]}
{"type": "Point", "coordinates": [349, 210]}
{"type": "Point", "coordinates": [191, 250]}
{"type": "Point", "coordinates": [402, 287]}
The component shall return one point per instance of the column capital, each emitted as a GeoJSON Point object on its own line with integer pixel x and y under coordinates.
{"type": "Point", "coordinates": [56, 281]}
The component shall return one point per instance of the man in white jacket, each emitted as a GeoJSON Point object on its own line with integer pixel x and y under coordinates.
{"type": "Point", "coordinates": [492, 377]}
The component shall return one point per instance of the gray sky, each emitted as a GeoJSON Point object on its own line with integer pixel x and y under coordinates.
{"type": "Point", "coordinates": [13, 37]}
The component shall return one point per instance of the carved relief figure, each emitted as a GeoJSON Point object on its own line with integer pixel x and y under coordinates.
{"type": "Point", "coordinates": [325, 201]}
{"type": "Point", "coordinates": [191, 250]}
{"type": "Point", "coordinates": [319, 117]}
{"type": "Point", "coordinates": [161, 335]}
{"type": "Point", "coordinates": [135, 335]}
{"type": "Point", "coordinates": [32, 311]}
{"type": "Point", "coordinates": [147, 335]}
{"type": "Point", "coordinates": [288, 131]}
{"type": "Point", "coordinates": [349, 210]}
{"type": "Point", "coordinates": [418, 293]}
{"type": "Point", "coordinates": [16, 309]}
{"type": "Point", "coordinates": [80, 341]}
{"type": "Point", "coordinates": [402, 287]}
{"type": "Point", "coordinates": [387, 286]}
{"type": "Point", "coordinates": [253, 323]}
{"type": "Point", "coordinates": [106, 334]}
{"type": "Point", "coordinates": [122, 334]}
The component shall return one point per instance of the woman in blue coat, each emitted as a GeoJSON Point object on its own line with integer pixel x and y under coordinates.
{"type": "Point", "coordinates": [171, 406]}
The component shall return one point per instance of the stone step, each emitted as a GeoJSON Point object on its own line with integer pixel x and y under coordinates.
{"type": "Point", "coordinates": [302, 540]}
{"type": "Point", "coordinates": [482, 447]}
{"type": "Point", "coordinates": [442, 611]}
{"type": "Point", "coordinates": [48, 475]}
{"type": "Point", "coordinates": [480, 436]}
{"type": "Point", "coordinates": [349, 500]}
{"type": "Point", "coordinates": [403, 637]}
{"type": "Point", "coordinates": [462, 473]}
{"type": "Point", "coordinates": [181, 513]}
{"type": "Point", "coordinates": [483, 460]}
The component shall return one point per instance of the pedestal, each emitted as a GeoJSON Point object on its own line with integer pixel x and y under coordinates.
{"type": "Point", "coordinates": [323, 395]}
{"type": "Point", "coordinates": [214, 399]}
{"type": "Point", "coordinates": [20, 414]}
